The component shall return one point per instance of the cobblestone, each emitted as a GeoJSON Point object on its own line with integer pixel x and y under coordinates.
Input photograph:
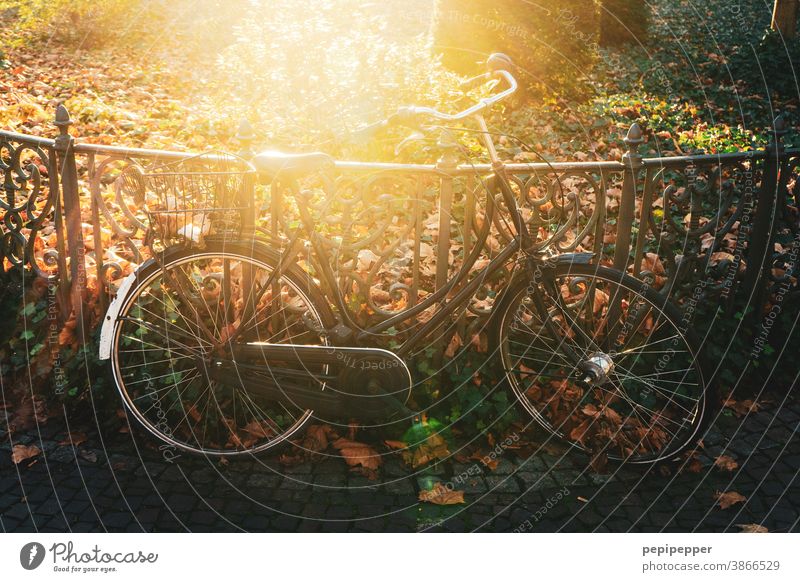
{"type": "Point", "coordinates": [91, 489]}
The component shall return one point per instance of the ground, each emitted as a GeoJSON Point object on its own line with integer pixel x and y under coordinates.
{"type": "Point", "coordinates": [106, 484]}
{"type": "Point", "coordinates": [115, 483]}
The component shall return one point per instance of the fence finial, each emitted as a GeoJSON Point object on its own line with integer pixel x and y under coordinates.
{"type": "Point", "coordinates": [635, 135]}
{"type": "Point", "coordinates": [780, 125]}
{"type": "Point", "coordinates": [63, 120]}
{"type": "Point", "coordinates": [779, 130]}
{"type": "Point", "coordinates": [632, 140]}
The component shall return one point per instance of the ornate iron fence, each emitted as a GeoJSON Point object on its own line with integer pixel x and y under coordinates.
{"type": "Point", "coordinates": [697, 227]}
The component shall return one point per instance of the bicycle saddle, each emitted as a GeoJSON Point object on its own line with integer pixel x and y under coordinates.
{"type": "Point", "coordinates": [272, 163]}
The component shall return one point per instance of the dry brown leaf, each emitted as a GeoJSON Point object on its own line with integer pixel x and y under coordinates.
{"type": "Point", "coordinates": [452, 347]}
{"type": "Point", "coordinates": [441, 495]}
{"type": "Point", "coordinates": [73, 438]}
{"type": "Point", "coordinates": [23, 452]}
{"type": "Point", "coordinates": [742, 407]}
{"type": "Point", "coordinates": [397, 445]}
{"type": "Point", "coordinates": [355, 454]}
{"type": "Point", "coordinates": [726, 463]}
{"type": "Point", "coordinates": [752, 528]}
{"type": "Point", "coordinates": [434, 447]}
{"type": "Point", "coordinates": [694, 465]}
{"type": "Point", "coordinates": [489, 462]}
{"type": "Point", "coordinates": [258, 429]}
{"type": "Point", "coordinates": [578, 434]}
{"type": "Point", "coordinates": [480, 342]}
{"type": "Point", "coordinates": [651, 262]}
{"type": "Point", "coordinates": [729, 498]}
{"type": "Point", "coordinates": [194, 413]}
{"type": "Point", "coordinates": [317, 437]}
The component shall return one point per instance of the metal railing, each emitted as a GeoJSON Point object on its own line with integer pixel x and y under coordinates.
{"type": "Point", "coordinates": [728, 221]}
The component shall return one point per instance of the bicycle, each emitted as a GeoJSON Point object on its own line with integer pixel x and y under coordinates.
{"type": "Point", "coordinates": [230, 347]}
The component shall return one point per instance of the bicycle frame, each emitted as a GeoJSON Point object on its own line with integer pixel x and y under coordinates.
{"type": "Point", "coordinates": [520, 241]}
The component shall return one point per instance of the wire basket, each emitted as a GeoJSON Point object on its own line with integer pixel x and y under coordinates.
{"type": "Point", "coordinates": [191, 199]}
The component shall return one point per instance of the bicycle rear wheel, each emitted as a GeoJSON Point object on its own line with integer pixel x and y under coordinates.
{"type": "Point", "coordinates": [602, 361]}
{"type": "Point", "coordinates": [192, 308]}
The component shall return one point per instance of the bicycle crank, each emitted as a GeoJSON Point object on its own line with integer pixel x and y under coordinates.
{"type": "Point", "coordinates": [335, 382]}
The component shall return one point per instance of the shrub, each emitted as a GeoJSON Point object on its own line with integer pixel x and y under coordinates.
{"type": "Point", "coordinates": [551, 47]}
{"type": "Point", "coordinates": [771, 66]}
{"type": "Point", "coordinates": [623, 21]}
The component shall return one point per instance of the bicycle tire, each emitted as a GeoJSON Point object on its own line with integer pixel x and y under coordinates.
{"type": "Point", "coordinates": [541, 393]}
{"type": "Point", "coordinates": [296, 284]}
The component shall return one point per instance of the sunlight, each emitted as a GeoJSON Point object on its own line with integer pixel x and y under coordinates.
{"type": "Point", "coordinates": [357, 59]}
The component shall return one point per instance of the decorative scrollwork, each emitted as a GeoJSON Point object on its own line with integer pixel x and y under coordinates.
{"type": "Point", "coordinates": [28, 203]}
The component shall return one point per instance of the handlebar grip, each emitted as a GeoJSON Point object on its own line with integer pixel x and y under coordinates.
{"type": "Point", "coordinates": [499, 62]}
{"type": "Point", "coordinates": [475, 82]}
{"type": "Point", "coordinates": [368, 132]}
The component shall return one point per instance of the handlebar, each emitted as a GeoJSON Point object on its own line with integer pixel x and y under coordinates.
{"type": "Point", "coordinates": [498, 65]}
{"type": "Point", "coordinates": [479, 106]}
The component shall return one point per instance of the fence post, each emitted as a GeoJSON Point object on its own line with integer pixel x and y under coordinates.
{"type": "Point", "coordinates": [446, 164]}
{"type": "Point", "coordinates": [68, 177]}
{"type": "Point", "coordinates": [761, 245]}
{"type": "Point", "coordinates": [627, 205]}
{"type": "Point", "coordinates": [246, 137]}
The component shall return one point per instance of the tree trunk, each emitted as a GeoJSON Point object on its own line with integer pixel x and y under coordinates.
{"type": "Point", "coordinates": [784, 17]}
{"type": "Point", "coordinates": [623, 21]}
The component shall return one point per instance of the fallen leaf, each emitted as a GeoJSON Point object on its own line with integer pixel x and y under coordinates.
{"type": "Point", "coordinates": [489, 462]}
{"type": "Point", "coordinates": [22, 452]}
{"type": "Point", "coordinates": [355, 453]}
{"type": "Point", "coordinates": [452, 347]}
{"type": "Point", "coordinates": [726, 463]}
{"type": "Point", "coordinates": [74, 439]}
{"type": "Point", "coordinates": [258, 429]}
{"type": "Point", "coordinates": [742, 407]}
{"type": "Point", "coordinates": [317, 437]}
{"type": "Point", "coordinates": [441, 495]}
{"type": "Point", "coordinates": [729, 498]}
{"type": "Point", "coordinates": [752, 528]}
{"type": "Point", "coordinates": [694, 465]}
{"type": "Point", "coordinates": [434, 447]}
{"type": "Point", "coordinates": [397, 445]}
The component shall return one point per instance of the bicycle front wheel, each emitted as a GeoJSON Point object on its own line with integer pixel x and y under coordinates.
{"type": "Point", "coordinates": [602, 361]}
{"type": "Point", "coordinates": [192, 309]}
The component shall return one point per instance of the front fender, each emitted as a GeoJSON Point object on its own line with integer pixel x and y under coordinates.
{"type": "Point", "coordinates": [574, 258]}
{"type": "Point", "coordinates": [534, 266]}
{"type": "Point", "coordinates": [110, 319]}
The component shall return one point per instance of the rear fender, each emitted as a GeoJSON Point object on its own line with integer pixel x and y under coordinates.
{"type": "Point", "coordinates": [110, 319]}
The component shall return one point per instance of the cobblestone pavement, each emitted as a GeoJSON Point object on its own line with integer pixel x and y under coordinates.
{"type": "Point", "coordinates": [106, 485]}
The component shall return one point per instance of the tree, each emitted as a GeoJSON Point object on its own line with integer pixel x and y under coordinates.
{"type": "Point", "coordinates": [784, 17]}
{"type": "Point", "coordinates": [623, 21]}
{"type": "Point", "coordinates": [552, 44]}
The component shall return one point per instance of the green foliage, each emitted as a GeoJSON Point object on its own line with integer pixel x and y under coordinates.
{"type": "Point", "coordinates": [747, 354]}
{"type": "Point", "coordinates": [551, 47]}
{"type": "Point", "coordinates": [477, 399]}
{"type": "Point", "coordinates": [770, 67]}
{"type": "Point", "coordinates": [95, 23]}
{"type": "Point", "coordinates": [623, 21]}
{"type": "Point", "coordinates": [34, 361]}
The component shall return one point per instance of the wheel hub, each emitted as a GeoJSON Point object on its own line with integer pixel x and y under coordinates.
{"type": "Point", "coordinates": [596, 368]}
